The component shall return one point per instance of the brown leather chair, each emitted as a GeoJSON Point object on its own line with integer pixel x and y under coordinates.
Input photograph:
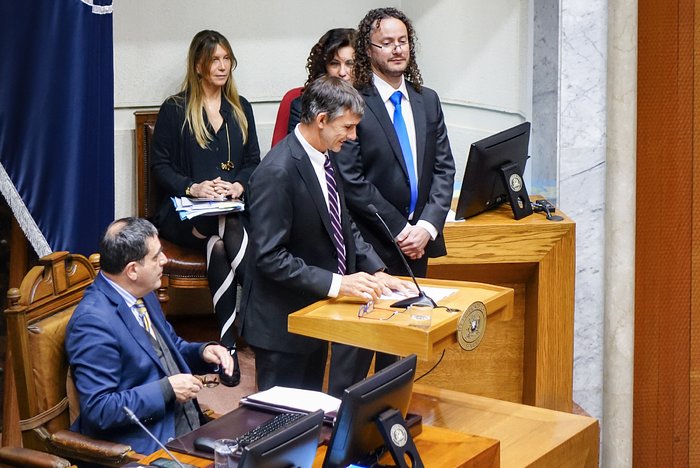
{"type": "Point", "coordinates": [36, 318]}
{"type": "Point", "coordinates": [27, 458]}
{"type": "Point", "coordinates": [186, 267]}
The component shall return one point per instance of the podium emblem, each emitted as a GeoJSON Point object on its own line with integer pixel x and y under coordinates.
{"type": "Point", "coordinates": [472, 326]}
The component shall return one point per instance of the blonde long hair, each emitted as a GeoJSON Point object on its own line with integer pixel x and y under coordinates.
{"type": "Point", "coordinates": [201, 52]}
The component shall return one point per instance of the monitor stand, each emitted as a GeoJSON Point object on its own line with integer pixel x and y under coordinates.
{"type": "Point", "coordinates": [398, 440]}
{"type": "Point", "coordinates": [517, 193]}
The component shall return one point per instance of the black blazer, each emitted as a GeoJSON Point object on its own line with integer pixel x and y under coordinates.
{"type": "Point", "coordinates": [292, 255]}
{"type": "Point", "coordinates": [374, 171]}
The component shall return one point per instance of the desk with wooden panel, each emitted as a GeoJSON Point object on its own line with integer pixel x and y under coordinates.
{"type": "Point", "coordinates": [528, 359]}
{"type": "Point", "coordinates": [337, 320]}
{"type": "Point", "coordinates": [494, 433]}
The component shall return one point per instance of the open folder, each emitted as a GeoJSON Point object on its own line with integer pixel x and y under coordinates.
{"type": "Point", "coordinates": [286, 399]}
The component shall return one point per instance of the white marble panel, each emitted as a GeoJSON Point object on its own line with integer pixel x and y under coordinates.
{"type": "Point", "coordinates": [582, 139]}
{"type": "Point", "coordinates": [582, 198]}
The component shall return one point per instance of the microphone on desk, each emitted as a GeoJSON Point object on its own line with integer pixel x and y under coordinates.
{"type": "Point", "coordinates": [133, 418]}
{"type": "Point", "coordinates": [421, 298]}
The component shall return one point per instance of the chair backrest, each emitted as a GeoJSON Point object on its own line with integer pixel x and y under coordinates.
{"type": "Point", "coordinates": [149, 194]}
{"type": "Point", "coordinates": [282, 120]}
{"type": "Point", "coordinates": [36, 318]}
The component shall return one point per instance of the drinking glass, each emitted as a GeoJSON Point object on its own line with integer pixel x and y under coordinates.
{"type": "Point", "coordinates": [420, 315]}
{"type": "Point", "coordinates": [224, 451]}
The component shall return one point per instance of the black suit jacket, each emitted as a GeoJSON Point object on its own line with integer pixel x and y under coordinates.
{"type": "Point", "coordinates": [374, 171]}
{"type": "Point", "coordinates": [292, 255]}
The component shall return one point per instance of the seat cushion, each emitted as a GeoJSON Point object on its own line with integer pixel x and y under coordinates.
{"type": "Point", "coordinates": [50, 363]}
{"type": "Point", "coordinates": [183, 262]}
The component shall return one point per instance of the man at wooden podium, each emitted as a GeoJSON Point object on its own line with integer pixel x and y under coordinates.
{"type": "Point", "coordinates": [304, 245]}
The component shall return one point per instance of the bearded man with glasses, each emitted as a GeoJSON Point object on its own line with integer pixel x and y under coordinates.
{"type": "Point", "coordinates": [401, 163]}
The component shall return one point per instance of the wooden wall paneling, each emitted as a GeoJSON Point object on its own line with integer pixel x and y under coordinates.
{"type": "Point", "coordinates": [665, 133]}
{"type": "Point", "coordinates": [694, 413]}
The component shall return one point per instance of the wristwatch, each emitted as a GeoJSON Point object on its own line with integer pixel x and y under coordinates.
{"type": "Point", "coordinates": [188, 193]}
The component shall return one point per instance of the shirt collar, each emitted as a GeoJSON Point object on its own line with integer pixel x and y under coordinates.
{"type": "Point", "coordinates": [385, 90]}
{"type": "Point", "coordinates": [129, 298]}
{"type": "Point", "coordinates": [315, 155]}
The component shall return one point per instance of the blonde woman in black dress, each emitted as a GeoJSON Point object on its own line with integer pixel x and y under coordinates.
{"type": "Point", "coordinates": [205, 146]}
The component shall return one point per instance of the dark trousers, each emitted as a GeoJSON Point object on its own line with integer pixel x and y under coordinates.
{"type": "Point", "coordinates": [290, 369]}
{"type": "Point", "coordinates": [350, 364]}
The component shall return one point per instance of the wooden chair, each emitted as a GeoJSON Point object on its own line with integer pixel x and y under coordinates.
{"type": "Point", "coordinates": [36, 319]}
{"type": "Point", "coordinates": [27, 458]}
{"type": "Point", "coordinates": [186, 267]}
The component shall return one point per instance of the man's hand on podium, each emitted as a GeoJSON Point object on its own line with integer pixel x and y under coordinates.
{"type": "Point", "coordinates": [361, 284]}
{"type": "Point", "coordinates": [391, 284]}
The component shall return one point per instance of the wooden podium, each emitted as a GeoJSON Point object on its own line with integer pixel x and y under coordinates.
{"type": "Point", "coordinates": [337, 320]}
{"type": "Point", "coordinates": [528, 359]}
{"type": "Point", "coordinates": [525, 356]}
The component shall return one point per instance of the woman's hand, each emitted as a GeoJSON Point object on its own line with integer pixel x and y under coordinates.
{"type": "Point", "coordinates": [217, 188]}
{"type": "Point", "coordinates": [231, 190]}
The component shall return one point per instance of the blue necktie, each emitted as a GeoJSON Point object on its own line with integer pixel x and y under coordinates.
{"type": "Point", "coordinates": [402, 134]}
{"type": "Point", "coordinates": [334, 211]}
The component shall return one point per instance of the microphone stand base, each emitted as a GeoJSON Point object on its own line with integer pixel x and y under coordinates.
{"type": "Point", "coordinates": [419, 299]}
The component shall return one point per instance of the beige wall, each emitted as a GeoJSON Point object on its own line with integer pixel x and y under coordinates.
{"type": "Point", "coordinates": [483, 82]}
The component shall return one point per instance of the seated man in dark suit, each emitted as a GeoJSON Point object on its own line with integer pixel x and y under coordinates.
{"type": "Point", "coordinates": [122, 352]}
{"type": "Point", "coordinates": [304, 245]}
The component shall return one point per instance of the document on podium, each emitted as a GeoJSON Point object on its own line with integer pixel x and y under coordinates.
{"type": "Point", "coordinates": [436, 293]}
{"type": "Point", "coordinates": [287, 399]}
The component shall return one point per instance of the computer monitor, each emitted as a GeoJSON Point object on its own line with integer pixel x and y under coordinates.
{"type": "Point", "coordinates": [294, 445]}
{"type": "Point", "coordinates": [355, 437]}
{"type": "Point", "coordinates": [493, 174]}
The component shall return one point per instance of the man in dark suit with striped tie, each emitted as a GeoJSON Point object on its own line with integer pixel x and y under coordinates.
{"type": "Point", "coordinates": [304, 246]}
{"type": "Point", "coordinates": [122, 352]}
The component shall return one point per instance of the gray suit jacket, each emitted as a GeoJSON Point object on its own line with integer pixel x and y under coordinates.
{"type": "Point", "coordinates": [374, 171]}
{"type": "Point", "coordinates": [292, 255]}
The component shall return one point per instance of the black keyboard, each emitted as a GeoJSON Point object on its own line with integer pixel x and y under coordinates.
{"type": "Point", "coordinates": [273, 425]}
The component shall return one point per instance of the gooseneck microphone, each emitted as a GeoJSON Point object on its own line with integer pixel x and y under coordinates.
{"type": "Point", "coordinates": [133, 418]}
{"type": "Point", "coordinates": [421, 298]}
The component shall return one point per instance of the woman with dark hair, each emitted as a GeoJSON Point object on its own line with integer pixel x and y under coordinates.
{"type": "Point", "coordinates": [205, 146]}
{"type": "Point", "coordinates": [333, 55]}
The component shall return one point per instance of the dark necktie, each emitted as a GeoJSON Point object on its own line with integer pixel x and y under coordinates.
{"type": "Point", "coordinates": [402, 134]}
{"type": "Point", "coordinates": [334, 211]}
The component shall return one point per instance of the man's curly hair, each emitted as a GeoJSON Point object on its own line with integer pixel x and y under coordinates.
{"type": "Point", "coordinates": [370, 23]}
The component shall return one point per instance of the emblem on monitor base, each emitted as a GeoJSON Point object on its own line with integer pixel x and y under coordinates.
{"type": "Point", "coordinates": [515, 182]}
{"type": "Point", "coordinates": [398, 435]}
{"type": "Point", "coordinates": [472, 326]}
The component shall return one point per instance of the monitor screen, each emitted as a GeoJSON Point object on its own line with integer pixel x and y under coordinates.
{"type": "Point", "coordinates": [355, 436]}
{"type": "Point", "coordinates": [483, 186]}
{"type": "Point", "coordinates": [294, 445]}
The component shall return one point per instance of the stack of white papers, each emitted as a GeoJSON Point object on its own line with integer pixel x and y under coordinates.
{"type": "Point", "coordinates": [189, 208]}
{"type": "Point", "coordinates": [293, 399]}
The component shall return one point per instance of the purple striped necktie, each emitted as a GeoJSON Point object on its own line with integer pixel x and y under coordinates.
{"type": "Point", "coordinates": [334, 212]}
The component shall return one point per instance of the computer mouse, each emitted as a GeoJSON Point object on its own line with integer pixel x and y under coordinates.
{"type": "Point", "coordinates": [204, 444]}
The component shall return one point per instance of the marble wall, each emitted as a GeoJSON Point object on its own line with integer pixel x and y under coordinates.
{"type": "Point", "coordinates": [581, 179]}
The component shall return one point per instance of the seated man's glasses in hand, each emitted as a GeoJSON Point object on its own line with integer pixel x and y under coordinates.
{"type": "Point", "coordinates": [208, 381]}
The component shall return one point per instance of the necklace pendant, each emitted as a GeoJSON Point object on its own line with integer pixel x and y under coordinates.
{"type": "Point", "coordinates": [227, 166]}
